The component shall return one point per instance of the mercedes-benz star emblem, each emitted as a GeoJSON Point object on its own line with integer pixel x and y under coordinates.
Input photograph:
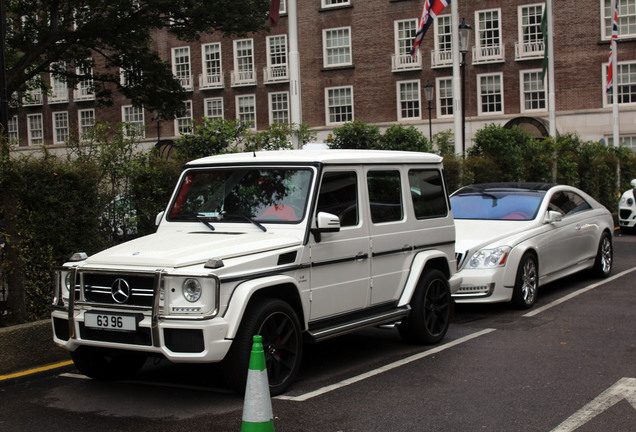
{"type": "Point", "coordinates": [120, 291]}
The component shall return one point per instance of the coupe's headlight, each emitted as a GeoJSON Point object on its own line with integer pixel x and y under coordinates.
{"type": "Point", "coordinates": [489, 258]}
{"type": "Point", "coordinates": [191, 289]}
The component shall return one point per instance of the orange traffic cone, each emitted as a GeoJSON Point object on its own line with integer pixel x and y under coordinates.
{"type": "Point", "coordinates": [257, 407]}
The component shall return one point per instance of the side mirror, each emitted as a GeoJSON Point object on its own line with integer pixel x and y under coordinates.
{"type": "Point", "coordinates": [158, 218]}
{"type": "Point", "coordinates": [552, 216]}
{"type": "Point", "coordinates": [633, 183]}
{"type": "Point", "coordinates": [325, 222]}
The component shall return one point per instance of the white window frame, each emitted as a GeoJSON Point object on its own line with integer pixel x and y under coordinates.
{"type": "Point", "coordinates": [403, 35]}
{"type": "Point", "coordinates": [439, 88]}
{"type": "Point", "coordinates": [341, 50]}
{"type": "Point", "coordinates": [622, 139]}
{"type": "Point", "coordinates": [182, 67]}
{"type": "Point", "coordinates": [134, 119]}
{"type": "Point", "coordinates": [183, 125]}
{"type": "Point", "coordinates": [620, 81]}
{"type": "Point", "coordinates": [244, 73]}
{"type": "Point", "coordinates": [442, 54]}
{"type": "Point", "coordinates": [59, 89]}
{"type": "Point", "coordinates": [275, 107]}
{"type": "Point", "coordinates": [626, 19]}
{"type": "Point", "coordinates": [61, 131]}
{"type": "Point", "coordinates": [480, 110]}
{"type": "Point", "coordinates": [84, 89]}
{"type": "Point", "coordinates": [208, 108]}
{"type": "Point", "coordinates": [13, 130]}
{"type": "Point", "coordinates": [534, 47]}
{"type": "Point", "coordinates": [85, 122]}
{"type": "Point", "coordinates": [493, 50]}
{"type": "Point", "coordinates": [35, 129]}
{"type": "Point", "coordinates": [277, 69]}
{"type": "Point", "coordinates": [283, 7]}
{"type": "Point", "coordinates": [245, 111]}
{"type": "Point", "coordinates": [334, 3]}
{"type": "Point", "coordinates": [523, 92]}
{"type": "Point", "coordinates": [212, 66]}
{"type": "Point", "coordinates": [400, 90]}
{"type": "Point", "coordinates": [329, 107]}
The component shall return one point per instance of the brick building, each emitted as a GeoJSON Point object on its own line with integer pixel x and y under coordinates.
{"type": "Point", "coordinates": [355, 65]}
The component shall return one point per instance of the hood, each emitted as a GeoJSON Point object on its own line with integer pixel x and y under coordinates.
{"type": "Point", "coordinates": [475, 234]}
{"type": "Point", "coordinates": [179, 249]}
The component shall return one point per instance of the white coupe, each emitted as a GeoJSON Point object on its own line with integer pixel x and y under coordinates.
{"type": "Point", "coordinates": [511, 238]}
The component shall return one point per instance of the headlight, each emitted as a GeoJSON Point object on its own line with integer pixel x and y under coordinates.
{"type": "Point", "coordinates": [191, 289]}
{"type": "Point", "coordinates": [489, 258]}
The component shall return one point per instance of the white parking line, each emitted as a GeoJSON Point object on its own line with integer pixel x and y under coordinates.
{"type": "Point", "coordinates": [575, 293]}
{"type": "Point", "coordinates": [352, 380]}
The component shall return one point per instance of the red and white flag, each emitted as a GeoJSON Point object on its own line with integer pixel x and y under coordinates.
{"type": "Point", "coordinates": [613, 41]}
{"type": "Point", "coordinates": [432, 8]}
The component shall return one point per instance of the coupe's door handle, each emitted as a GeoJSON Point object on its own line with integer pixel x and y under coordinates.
{"type": "Point", "coordinates": [578, 227]}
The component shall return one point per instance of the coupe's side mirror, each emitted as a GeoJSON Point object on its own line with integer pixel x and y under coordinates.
{"type": "Point", "coordinates": [552, 216]}
{"type": "Point", "coordinates": [325, 222]}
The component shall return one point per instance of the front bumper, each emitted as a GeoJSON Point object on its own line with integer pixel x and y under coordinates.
{"type": "Point", "coordinates": [482, 286]}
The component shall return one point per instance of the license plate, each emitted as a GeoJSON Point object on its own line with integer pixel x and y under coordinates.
{"type": "Point", "coordinates": [107, 321]}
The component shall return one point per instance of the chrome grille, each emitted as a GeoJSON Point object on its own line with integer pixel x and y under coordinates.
{"type": "Point", "coordinates": [98, 288]}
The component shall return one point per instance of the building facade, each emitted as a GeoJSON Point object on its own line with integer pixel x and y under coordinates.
{"type": "Point", "coordinates": [355, 64]}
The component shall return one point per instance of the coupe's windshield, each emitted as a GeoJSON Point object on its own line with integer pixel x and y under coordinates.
{"type": "Point", "coordinates": [240, 194]}
{"type": "Point", "coordinates": [496, 205]}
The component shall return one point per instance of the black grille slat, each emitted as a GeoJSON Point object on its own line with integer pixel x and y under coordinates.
{"type": "Point", "coordinates": [98, 288]}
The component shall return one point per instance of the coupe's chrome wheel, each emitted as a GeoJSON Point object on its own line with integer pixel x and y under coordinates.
{"type": "Point", "coordinates": [604, 257]}
{"type": "Point", "coordinates": [527, 283]}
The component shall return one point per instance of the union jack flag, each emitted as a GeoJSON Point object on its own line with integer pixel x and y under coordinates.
{"type": "Point", "coordinates": [431, 9]}
{"type": "Point", "coordinates": [613, 41]}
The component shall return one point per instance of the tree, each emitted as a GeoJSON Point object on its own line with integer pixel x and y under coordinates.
{"type": "Point", "coordinates": [70, 37]}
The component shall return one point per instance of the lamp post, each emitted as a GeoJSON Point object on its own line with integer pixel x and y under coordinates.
{"type": "Point", "coordinates": [464, 41]}
{"type": "Point", "coordinates": [428, 94]}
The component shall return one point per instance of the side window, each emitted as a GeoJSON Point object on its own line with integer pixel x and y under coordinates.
{"type": "Point", "coordinates": [568, 203]}
{"type": "Point", "coordinates": [339, 196]}
{"type": "Point", "coordinates": [427, 193]}
{"type": "Point", "coordinates": [385, 196]}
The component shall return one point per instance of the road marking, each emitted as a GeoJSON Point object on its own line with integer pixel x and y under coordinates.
{"type": "Point", "coordinates": [625, 388]}
{"type": "Point", "coordinates": [35, 370]}
{"type": "Point", "coordinates": [575, 293]}
{"type": "Point", "coordinates": [352, 380]}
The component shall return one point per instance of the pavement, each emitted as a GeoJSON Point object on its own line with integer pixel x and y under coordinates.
{"type": "Point", "coordinates": [28, 348]}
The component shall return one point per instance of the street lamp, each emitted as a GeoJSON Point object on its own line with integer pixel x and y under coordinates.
{"type": "Point", "coordinates": [428, 94]}
{"type": "Point", "coordinates": [464, 41]}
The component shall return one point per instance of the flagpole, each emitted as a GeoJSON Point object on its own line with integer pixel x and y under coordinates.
{"type": "Point", "coordinates": [551, 90]}
{"type": "Point", "coordinates": [615, 121]}
{"type": "Point", "coordinates": [294, 70]}
{"type": "Point", "coordinates": [457, 101]}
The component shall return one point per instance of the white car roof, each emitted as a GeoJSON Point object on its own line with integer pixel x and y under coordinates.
{"type": "Point", "coordinates": [326, 156]}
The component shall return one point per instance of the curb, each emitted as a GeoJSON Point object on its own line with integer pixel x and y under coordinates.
{"type": "Point", "coordinates": [27, 346]}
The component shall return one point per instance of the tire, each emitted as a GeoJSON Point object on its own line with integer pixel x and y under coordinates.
{"type": "Point", "coordinates": [524, 293]}
{"type": "Point", "coordinates": [428, 321]}
{"type": "Point", "coordinates": [102, 364]}
{"type": "Point", "coordinates": [277, 322]}
{"type": "Point", "coordinates": [604, 257]}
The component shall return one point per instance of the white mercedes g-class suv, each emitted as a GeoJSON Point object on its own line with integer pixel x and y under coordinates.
{"type": "Point", "coordinates": [291, 245]}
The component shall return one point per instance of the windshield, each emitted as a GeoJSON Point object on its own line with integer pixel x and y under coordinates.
{"type": "Point", "coordinates": [276, 195]}
{"type": "Point", "coordinates": [496, 205]}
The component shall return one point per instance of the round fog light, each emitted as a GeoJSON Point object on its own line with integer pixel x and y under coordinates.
{"type": "Point", "coordinates": [191, 290]}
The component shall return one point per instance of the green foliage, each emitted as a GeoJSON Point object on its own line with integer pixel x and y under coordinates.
{"type": "Point", "coordinates": [355, 135]}
{"type": "Point", "coordinates": [445, 143]}
{"type": "Point", "coordinates": [212, 137]}
{"type": "Point", "coordinates": [118, 34]}
{"type": "Point", "coordinates": [398, 137]}
{"type": "Point", "coordinates": [278, 136]}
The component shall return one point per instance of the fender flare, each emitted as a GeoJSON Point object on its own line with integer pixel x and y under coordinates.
{"type": "Point", "coordinates": [417, 268]}
{"type": "Point", "coordinates": [242, 295]}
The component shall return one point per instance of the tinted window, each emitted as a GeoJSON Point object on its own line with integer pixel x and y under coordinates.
{"type": "Point", "coordinates": [496, 205]}
{"type": "Point", "coordinates": [568, 203]}
{"type": "Point", "coordinates": [385, 196]}
{"type": "Point", "coordinates": [339, 196]}
{"type": "Point", "coordinates": [427, 193]}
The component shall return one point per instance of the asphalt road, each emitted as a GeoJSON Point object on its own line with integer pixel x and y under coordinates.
{"type": "Point", "coordinates": [567, 364]}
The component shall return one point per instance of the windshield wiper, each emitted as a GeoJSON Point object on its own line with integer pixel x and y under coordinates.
{"type": "Point", "coordinates": [205, 222]}
{"type": "Point", "coordinates": [247, 218]}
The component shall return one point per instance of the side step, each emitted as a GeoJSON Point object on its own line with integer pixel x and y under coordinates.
{"type": "Point", "coordinates": [385, 317]}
